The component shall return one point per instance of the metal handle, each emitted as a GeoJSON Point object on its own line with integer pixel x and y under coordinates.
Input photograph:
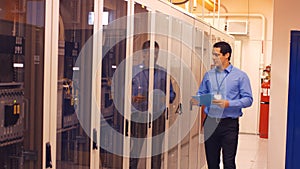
{"type": "Point", "coordinates": [179, 109]}
{"type": "Point", "coordinates": [95, 145]}
{"type": "Point", "coordinates": [126, 127]}
{"type": "Point", "coordinates": [26, 114]}
{"type": "Point", "coordinates": [149, 120]}
{"type": "Point", "coordinates": [48, 156]}
{"type": "Point", "coordinates": [167, 113]}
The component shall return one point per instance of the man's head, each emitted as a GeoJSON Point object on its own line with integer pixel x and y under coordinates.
{"type": "Point", "coordinates": [221, 54]}
{"type": "Point", "coordinates": [146, 51]}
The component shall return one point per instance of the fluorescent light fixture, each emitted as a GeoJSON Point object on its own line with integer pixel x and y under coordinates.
{"type": "Point", "coordinates": [91, 18]}
{"type": "Point", "coordinates": [76, 68]}
{"type": "Point", "coordinates": [18, 65]}
{"type": "Point", "coordinates": [105, 18]}
{"type": "Point", "coordinates": [195, 4]}
{"type": "Point", "coordinates": [113, 66]}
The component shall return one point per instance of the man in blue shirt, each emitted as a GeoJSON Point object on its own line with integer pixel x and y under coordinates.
{"type": "Point", "coordinates": [231, 91]}
{"type": "Point", "coordinates": [140, 114]}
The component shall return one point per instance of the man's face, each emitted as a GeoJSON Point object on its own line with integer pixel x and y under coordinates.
{"type": "Point", "coordinates": [146, 56]}
{"type": "Point", "coordinates": [218, 58]}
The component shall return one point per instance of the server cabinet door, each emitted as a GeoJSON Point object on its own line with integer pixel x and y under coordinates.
{"type": "Point", "coordinates": [186, 80]}
{"type": "Point", "coordinates": [175, 110]}
{"type": "Point", "coordinates": [74, 90]}
{"type": "Point", "coordinates": [182, 127]}
{"type": "Point", "coordinates": [139, 114]}
{"type": "Point", "coordinates": [21, 83]}
{"type": "Point", "coordinates": [114, 60]}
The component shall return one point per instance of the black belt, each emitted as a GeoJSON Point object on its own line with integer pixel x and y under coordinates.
{"type": "Point", "coordinates": [222, 119]}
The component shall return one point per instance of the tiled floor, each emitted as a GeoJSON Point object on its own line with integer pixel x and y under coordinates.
{"type": "Point", "coordinates": [252, 152]}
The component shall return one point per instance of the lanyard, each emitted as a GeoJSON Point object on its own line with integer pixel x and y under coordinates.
{"type": "Point", "coordinates": [219, 85]}
{"type": "Point", "coordinates": [146, 75]}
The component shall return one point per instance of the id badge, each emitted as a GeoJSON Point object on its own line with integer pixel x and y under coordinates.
{"type": "Point", "coordinates": [217, 96]}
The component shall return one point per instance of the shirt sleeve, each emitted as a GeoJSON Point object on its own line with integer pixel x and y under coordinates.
{"type": "Point", "coordinates": [245, 99]}
{"type": "Point", "coordinates": [172, 93]}
{"type": "Point", "coordinates": [134, 86]}
{"type": "Point", "coordinates": [204, 86]}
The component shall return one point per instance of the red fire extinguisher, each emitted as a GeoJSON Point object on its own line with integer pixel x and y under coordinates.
{"type": "Point", "coordinates": [264, 106]}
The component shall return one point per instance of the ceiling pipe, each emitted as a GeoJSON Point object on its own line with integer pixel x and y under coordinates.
{"type": "Point", "coordinates": [219, 7]}
{"type": "Point", "coordinates": [179, 3]}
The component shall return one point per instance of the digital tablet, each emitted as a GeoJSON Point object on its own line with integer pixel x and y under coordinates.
{"type": "Point", "coordinates": [204, 99]}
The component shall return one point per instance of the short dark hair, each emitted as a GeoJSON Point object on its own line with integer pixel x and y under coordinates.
{"type": "Point", "coordinates": [146, 44]}
{"type": "Point", "coordinates": [225, 48]}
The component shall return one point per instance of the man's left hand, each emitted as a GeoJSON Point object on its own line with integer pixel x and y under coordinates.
{"type": "Point", "coordinates": [221, 103]}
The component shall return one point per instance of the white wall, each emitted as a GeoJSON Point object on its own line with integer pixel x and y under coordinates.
{"type": "Point", "coordinates": [286, 15]}
{"type": "Point", "coordinates": [250, 64]}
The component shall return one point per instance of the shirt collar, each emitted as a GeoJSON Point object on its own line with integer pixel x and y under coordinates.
{"type": "Point", "coordinates": [229, 68]}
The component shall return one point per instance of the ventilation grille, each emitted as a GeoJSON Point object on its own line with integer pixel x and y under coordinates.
{"type": "Point", "coordinates": [237, 27]}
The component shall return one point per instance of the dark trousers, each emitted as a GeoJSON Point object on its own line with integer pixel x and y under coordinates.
{"type": "Point", "coordinates": [139, 130]}
{"type": "Point", "coordinates": [221, 134]}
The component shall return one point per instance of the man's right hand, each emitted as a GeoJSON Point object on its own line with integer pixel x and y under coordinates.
{"type": "Point", "coordinates": [194, 101]}
{"type": "Point", "coordinates": [138, 98]}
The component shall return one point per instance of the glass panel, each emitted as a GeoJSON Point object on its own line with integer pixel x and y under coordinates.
{"type": "Point", "coordinates": [22, 32]}
{"type": "Point", "coordinates": [161, 89]}
{"type": "Point", "coordinates": [214, 38]}
{"type": "Point", "coordinates": [74, 91]}
{"type": "Point", "coordinates": [195, 130]}
{"type": "Point", "coordinates": [207, 60]}
{"type": "Point", "coordinates": [113, 82]}
{"type": "Point", "coordinates": [140, 81]}
{"type": "Point", "coordinates": [187, 43]}
{"type": "Point", "coordinates": [175, 69]}
{"type": "Point", "coordinates": [198, 66]}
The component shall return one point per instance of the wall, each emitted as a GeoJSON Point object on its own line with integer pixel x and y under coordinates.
{"type": "Point", "coordinates": [284, 22]}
